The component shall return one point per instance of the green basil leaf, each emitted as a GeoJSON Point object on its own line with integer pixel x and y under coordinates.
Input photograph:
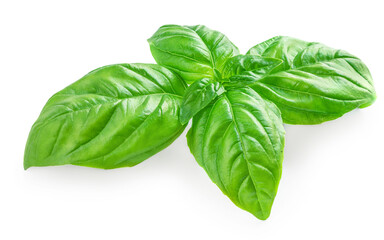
{"type": "Point", "coordinates": [245, 69]}
{"type": "Point", "coordinates": [239, 141]}
{"type": "Point", "coordinates": [113, 117]}
{"type": "Point", "coordinates": [316, 83]}
{"type": "Point", "coordinates": [194, 52]}
{"type": "Point", "coordinates": [198, 96]}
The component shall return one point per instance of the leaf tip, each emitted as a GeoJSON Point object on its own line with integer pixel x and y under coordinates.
{"type": "Point", "coordinates": [263, 215]}
{"type": "Point", "coordinates": [26, 165]}
{"type": "Point", "coordinates": [183, 119]}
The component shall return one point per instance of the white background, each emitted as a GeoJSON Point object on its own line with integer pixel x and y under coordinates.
{"type": "Point", "coordinates": [333, 176]}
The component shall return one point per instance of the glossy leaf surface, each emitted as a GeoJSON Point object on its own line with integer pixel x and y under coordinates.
{"type": "Point", "coordinates": [280, 47]}
{"type": "Point", "coordinates": [115, 116]}
{"type": "Point", "coordinates": [198, 96]}
{"type": "Point", "coordinates": [316, 83]}
{"type": "Point", "coordinates": [194, 52]}
{"type": "Point", "coordinates": [239, 141]}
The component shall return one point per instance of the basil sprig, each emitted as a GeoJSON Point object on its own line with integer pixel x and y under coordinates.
{"type": "Point", "coordinates": [119, 115]}
{"type": "Point", "coordinates": [238, 137]}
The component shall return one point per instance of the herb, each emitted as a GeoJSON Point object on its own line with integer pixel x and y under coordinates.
{"type": "Point", "coordinates": [119, 115]}
{"type": "Point", "coordinates": [237, 135]}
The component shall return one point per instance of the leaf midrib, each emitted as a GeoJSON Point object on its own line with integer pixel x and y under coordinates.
{"type": "Point", "coordinates": [117, 101]}
{"type": "Point", "coordinates": [182, 56]}
{"type": "Point", "coordinates": [300, 69]}
{"type": "Point", "coordinates": [242, 145]}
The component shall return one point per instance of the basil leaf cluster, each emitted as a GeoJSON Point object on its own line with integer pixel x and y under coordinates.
{"type": "Point", "coordinates": [119, 115]}
{"type": "Point", "coordinates": [240, 102]}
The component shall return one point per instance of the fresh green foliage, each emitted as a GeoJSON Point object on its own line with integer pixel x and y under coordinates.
{"type": "Point", "coordinates": [198, 96]}
{"type": "Point", "coordinates": [239, 142]}
{"type": "Point", "coordinates": [119, 115]}
{"type": "Point", "coordinates": [238, 136]}
{"type": "Point", "coordinates": [115, 116]}
{"type": "Point", "coordinates": [315, 83]}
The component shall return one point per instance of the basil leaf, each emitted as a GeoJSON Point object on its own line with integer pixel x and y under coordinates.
{"type": "Point", "coordinates": [245, 69]}
{"type": "Point", "coordinates": [316, 83]}
{"type": "Point", "coordinates": [194, 52]}
{"type": "Point", "coordinates": [198, 96]}
{"type": "Point", "coordinates": [115, 116]}
{"type": "Point", "coordinates": [239, 142]}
